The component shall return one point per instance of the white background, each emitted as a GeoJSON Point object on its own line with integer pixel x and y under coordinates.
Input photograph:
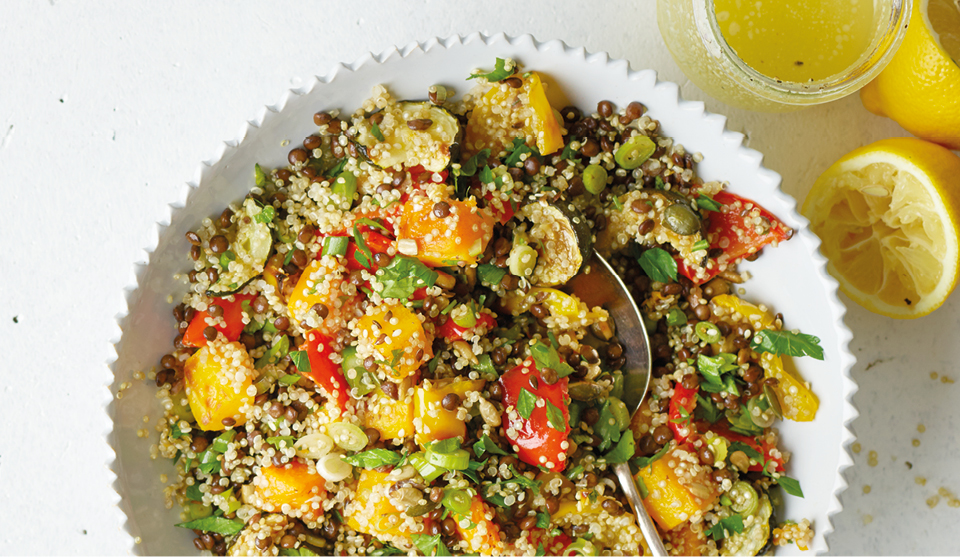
{"type": "Point", "coordinates": [107, 108]}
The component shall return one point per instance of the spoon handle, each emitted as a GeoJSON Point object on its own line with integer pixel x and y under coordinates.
{"type": "Point", "coordinates": [649, 530]}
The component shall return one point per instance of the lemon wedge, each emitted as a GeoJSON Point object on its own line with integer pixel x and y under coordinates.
{"type": "Point", "coordinates": [920, 88]}
{"type": "Point", "coordinates": [889, 218]}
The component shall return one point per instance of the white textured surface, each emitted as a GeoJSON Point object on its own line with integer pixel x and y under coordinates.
{"type": "Point", "coordinates": [105, 111]}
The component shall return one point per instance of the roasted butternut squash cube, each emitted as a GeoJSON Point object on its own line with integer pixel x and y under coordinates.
{"type": "Point", "coordinates": [392, 418]}
{"type": "Point", "coordinates": [295, 489]}
{"type": "Point", "coordinates": [433, 422]}
{"type": "Point", "coordinates": [218, 377]}
{"type": "Point", "coordinates": [394, 336]}
{"type": "Point", "coordinates": [461, 236]}
{"type": "Point", "coordinates": [669, 501]}
{"type": "Point", "coordinates": [484, 535]}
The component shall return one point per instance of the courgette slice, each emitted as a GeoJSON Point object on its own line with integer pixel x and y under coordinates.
{"type": "Point", "coordinates": [250, 249]}
{"type": "Point", "coordinates": [563, 238]}
{"type": "Point", "coordinates": [432, 145]}
{"type": "Point", "coordinates": [754, 537]}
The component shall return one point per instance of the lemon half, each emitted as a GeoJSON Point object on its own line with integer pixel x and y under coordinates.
{"type": "Point", "coordinates": [920, 88]}
{"type": "Point", "coordinates": [888, 215]}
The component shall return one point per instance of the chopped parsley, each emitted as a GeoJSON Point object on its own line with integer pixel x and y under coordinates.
{"type": "Point", "coordinates": [722, 529]}
{"type": "Point", "coordinates": [403, 276]}
{"type": "Point", "coordinates": [787, 343]}
{"type": "Point", "coordinates": [526, 402]}
{"type": "Point", "coordinates": [499, 73]}
{"type": "Point", "coordinates": [375, 130]}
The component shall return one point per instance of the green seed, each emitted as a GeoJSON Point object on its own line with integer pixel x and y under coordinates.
{"type": "Point", "coordinates": [635, 152]}
{"type": "Point", "coordinates": [681, 219]}
{"type": "Point", "coordinates": [595, 178]}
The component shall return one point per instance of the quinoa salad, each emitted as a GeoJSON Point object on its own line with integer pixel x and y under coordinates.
{"type": "Point", "coordinates": [377, 353]}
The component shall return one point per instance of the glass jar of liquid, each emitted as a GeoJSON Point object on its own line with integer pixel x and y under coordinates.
{"type": "Point", "coordinates": [780, 55]}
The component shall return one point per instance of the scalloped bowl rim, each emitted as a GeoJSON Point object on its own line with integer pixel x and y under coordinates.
{"type": "Point", "coordinates": [523, 47]}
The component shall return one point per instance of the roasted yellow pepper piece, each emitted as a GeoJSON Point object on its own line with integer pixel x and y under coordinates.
{"type": "Point", "coordinates": [669, 502]}
{"type": "Point", "coordinates": [433, 421]}
{"type": "Point", "coordinates": [210, 401]}
{"type": "Point", "coordinates": [796, 400]}
{"type": "Point", "coordinates": [504, 108]}
{"type": "Point", "coordinates": [392, 418]}
{"type": "Point", "coordinates": [396, 337]}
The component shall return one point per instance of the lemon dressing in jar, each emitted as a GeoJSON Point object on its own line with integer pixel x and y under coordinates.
{"type": "Point", "coordinates": [779, 55]}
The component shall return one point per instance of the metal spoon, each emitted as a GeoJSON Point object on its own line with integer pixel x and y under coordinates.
{"type": "Point", "coordinates": [602, 287]}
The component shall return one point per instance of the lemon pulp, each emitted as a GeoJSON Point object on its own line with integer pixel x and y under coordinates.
{"type": "Point", "coordinates": [881, 214]}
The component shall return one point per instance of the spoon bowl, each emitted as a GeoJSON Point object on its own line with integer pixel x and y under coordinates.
{"type": "Point", "coordinates": [599, 285]}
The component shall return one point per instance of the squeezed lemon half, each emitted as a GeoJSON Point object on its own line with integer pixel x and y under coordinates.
{"type": "Point", "coordinates": [889, 218]}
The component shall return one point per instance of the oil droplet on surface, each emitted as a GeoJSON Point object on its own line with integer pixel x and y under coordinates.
{"type": "Point", "coordinates": [933, 501]}
{"type": "Point", "coordinates": [867, 519]}
{"type": "Point", "coordinates": [856, 448]}
{"type": "Point", "coordinates": [872, 458]}
{"type": "Point", "coordinates": [866, 489]}
{"type": "Point", "coordinates": [920, 480]}
{"type": "Point", "coordinates": [933, 375]}
{"type": "Point", "coordinates": [916, 442]}
{"type": "Point", "coordinates": [921, 428]}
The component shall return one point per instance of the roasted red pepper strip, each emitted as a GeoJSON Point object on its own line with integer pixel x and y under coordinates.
{"type": "Point", "coordinates": [729, 231]}
{"type": "Point", "coordinates": [536, 442]}
{"type": "Point", "coordinates": [418, 174]}
{"type": "Point", "coordinates": [761, 446]}
{"type": "Point", "coordinates": [502, 211]}
{"type": "Point", "coordinates": [325, 373]}
{"type": "Point", "coordinates": [231, 327]}
{"type": "Point", "coordinates": [378, 243]}
{"type": "Point", "coordinates": [682, 425]}
{"type": "Point", "coordinates": [451, 331]}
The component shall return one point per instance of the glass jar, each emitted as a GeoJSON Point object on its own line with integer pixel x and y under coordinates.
{"type": "Point", "coordinates": [692, 34]}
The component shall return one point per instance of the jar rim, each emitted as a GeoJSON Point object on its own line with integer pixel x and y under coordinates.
{"type": "Point", "coordinates": [883, 46]}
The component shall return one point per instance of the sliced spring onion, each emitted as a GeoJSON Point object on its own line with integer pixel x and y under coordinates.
{"type": "Point", "coordinates": [427, 471]}
{"type": "Point", "coordinates": [456, 460]}
{"type": "Point", "coordinates": [743, 498]}
{"type": "Point", "coordinates": [345, 186]}
{"type": "Point", "coordinates": [707, 332]}
{"type": "Point", "coordinates": [467, 319]}
{"type": "Point", "coordinates": [333, 468]}
{"type": "Point", "coordinates": [314, 445]}
{"type": "Point", "coordinates": [347, 436]}
{"type": "Point", "coordinates": [635, 152]}
{"type": "Point", "coordinates": [757, 408]}
{"type": "Point", "coordinates": [335, 245]}
{"type": "Point", "coordinates": [581, 547]}
{"type": "Point", "coordinates": [620, 412]}
{"type": "Point", "coordinates": [457, 500]}
{"type": "Point", "coordinates": [718, 446]}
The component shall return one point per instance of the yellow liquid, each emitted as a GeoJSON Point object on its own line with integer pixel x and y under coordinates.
{"type": "Point", "coordinates": [797, 40]}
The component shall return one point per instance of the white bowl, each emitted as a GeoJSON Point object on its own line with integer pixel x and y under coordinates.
{"type": "Point", "coordinates": [792, 278]}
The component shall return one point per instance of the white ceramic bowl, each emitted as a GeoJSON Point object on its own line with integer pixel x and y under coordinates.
{"type": "Point", "coordinates": [791, 279]}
